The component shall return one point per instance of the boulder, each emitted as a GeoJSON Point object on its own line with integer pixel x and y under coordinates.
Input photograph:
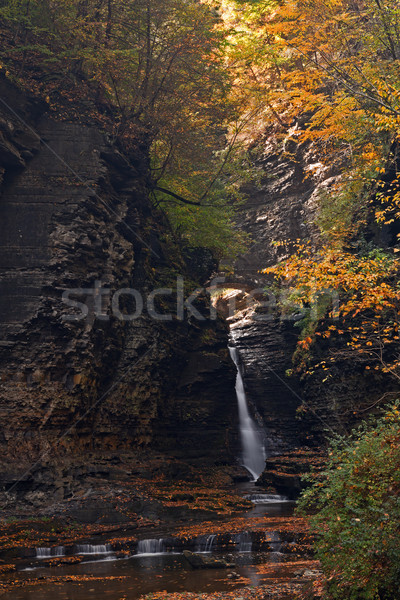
{"type": "Point", "coordinates": [203, 561]}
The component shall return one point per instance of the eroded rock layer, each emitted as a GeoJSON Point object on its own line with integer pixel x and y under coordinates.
{"type": "Point", "coordinates": [75, 219]}
{"type": "Point", "coordinates": [277, 214]}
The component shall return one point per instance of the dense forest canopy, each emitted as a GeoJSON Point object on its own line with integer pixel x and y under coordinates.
{"type": "Point", "coordinates": [196, 79]}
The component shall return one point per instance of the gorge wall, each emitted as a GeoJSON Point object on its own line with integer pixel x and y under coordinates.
{"type": "Point", "coordinates": [297, 413]}
{"type": "Point", "coordinates": [280, 210]}
{"type": "Point", "coordinates": [74, 211]}
{"type": "Point", "coordinates": [75, 216]}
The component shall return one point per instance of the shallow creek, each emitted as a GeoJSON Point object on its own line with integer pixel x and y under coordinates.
{"type": "Point", "coordinates": [154, 568]}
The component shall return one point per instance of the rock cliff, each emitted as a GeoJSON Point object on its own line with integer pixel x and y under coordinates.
{"type": "Point", "coordinates": [280, 209]}
{"type": "Point", "coordinates": [278, 213]}
{"type": "Point", "coordinates": [75, 219]}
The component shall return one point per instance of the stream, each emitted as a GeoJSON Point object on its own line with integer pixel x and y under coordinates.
{"type": "Point", "coordinates": [259, 547]}
{"type": "Point", "coordinates": [155, 568]}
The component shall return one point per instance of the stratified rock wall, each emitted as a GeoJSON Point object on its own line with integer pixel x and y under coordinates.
{"type": "Point", "coordinates": [73, 212]}
{"type": "Point", "coordinates": [277, 214]}
{"type": "Point", "coordinates": [282, 207]}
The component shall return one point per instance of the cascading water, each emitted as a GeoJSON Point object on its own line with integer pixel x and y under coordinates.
{"type": "Point", "coordinates": [274, 540]}
{"type": "Point", "coordinates": [275, 544]}
{"type": "Point", "coordinates": [243, 542]}
{"type": "Point", "coordinates": [267, 498]}
{"type": "Point", "coordinates": [57, 551]}
{"type": "Point", "coordinates": [90, 549]}
{"type": "Point", "coordinates": [253, 451]}
{"type": "Point", "coordinates": [204, 543]}
{"type": "Point", "coordinates": [150, 547]}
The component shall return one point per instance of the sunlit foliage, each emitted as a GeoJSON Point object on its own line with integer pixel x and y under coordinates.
{"type": "Point", "coordinates": [364, 301]}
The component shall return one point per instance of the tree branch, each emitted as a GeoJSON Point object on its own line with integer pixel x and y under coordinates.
{"type": "Point", "coordinates": [157, 188]}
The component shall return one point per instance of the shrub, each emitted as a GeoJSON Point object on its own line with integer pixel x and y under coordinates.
{"type": "Point", "coordinates": [356, 507]}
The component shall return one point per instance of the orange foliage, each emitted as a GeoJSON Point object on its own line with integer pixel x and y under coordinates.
{"type": "Point", "coordinates": [365, 297]}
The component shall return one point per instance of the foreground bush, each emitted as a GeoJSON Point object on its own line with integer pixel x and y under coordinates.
{"type": "Point", "coordinates": [357, 516]}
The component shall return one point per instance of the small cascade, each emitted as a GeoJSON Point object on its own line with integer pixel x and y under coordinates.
{"type": "Point", "coordinates": [204, 543]}
{"type": "Point", "coordinates": [151, 547]}
{"type": "Point", "coordinates": [90, 549]}
{"type": "Point", "coordinates": [43, 552]}
{"type": "Point", "coordinates": [243, 542]}
{"type": "Point", "coordinates": [266, 498]}
{"type": "Point", "coordinates": [209, 543]}
{"type": "Point", "coordinates": [253, 451]}
{"type": "Point", "coordinates": [57, 551]}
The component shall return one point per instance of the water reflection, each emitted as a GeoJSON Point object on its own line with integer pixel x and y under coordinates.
{"type": "Point", "coordinates": [136, 576]}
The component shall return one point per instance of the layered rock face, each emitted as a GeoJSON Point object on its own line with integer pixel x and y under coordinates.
{"type": "Point", "coordinates": [76, 226]}
{"type": "Point", "coordinates": [277, 214]}
{"type": "Point", "coordinates": [281, 208]}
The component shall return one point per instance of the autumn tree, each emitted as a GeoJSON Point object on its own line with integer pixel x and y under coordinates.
{"type": "Point", "coordinates": [157, 72]}
{"type": "Point", "coordinates": [333, 65]}
{"type": "Point", "coordinates": [363, 306]}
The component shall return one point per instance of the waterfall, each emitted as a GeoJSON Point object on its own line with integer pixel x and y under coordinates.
{"type": "Point", "coordinates": [89, 549]}
{"type": "Point", "coordinates": [149, 547]}
{"type": "Point", "coordinates": [274, 540]}
{"type": "Point", "coordinates": [267, 498]}
{"type": "Point", "coordinates": [43, 552]}
{"type": "Point", "coordinates": [253, 451]}
{"type": "Point", "coordinates": [204, 543]}
{"type": "Point", "coordinates": [275, 544]}
{"type": "Point", "coordinates": [50, 552]}
{"type": "Point", "coordinates": [209, 543]}
{"type": "Point", "coordinates": [243, 542]}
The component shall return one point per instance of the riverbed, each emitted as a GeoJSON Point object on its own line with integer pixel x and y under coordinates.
{"type": "Point", "coordinates": [159, 566]}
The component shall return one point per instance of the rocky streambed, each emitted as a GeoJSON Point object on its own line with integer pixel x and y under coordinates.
{"type": "Point", "coordinates": [264, 550]}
